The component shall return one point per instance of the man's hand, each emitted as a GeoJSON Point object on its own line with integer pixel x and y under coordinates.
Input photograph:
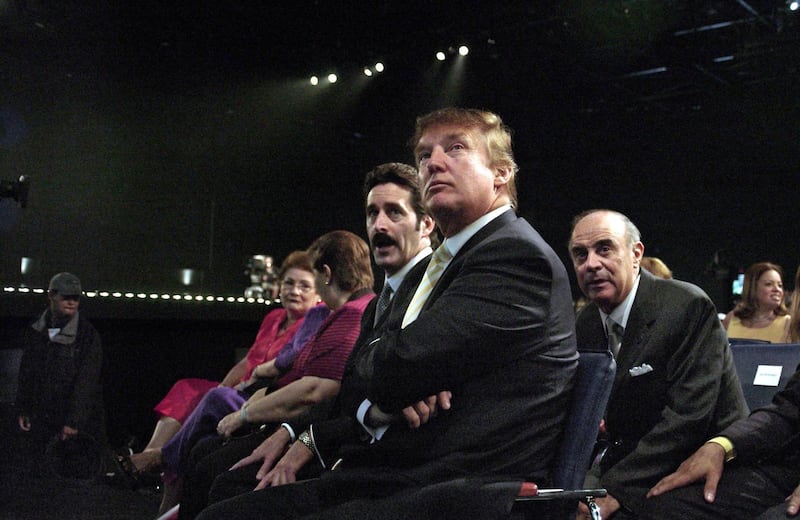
{"type": "Point", "coordinates": [24, 423]}
{"type": "Point", "coordinates": [67, 432]}
{"type": "Point", "coordinates": [425, 410]}
{"type": "Point", "coordinates": [415, 415]}
{"type": "Point", "coordinates": [267, 452]}
{"type": "Point", "coordinates": [793, 502]}
{"type": "Point", "coordinates": [706, 463]}
{"type": "Point", "coordinates": [229, 424]}
{"type": "Point", "coordinates": [285, 471]}
{"type": "Point", "coordinates": [608, 505]}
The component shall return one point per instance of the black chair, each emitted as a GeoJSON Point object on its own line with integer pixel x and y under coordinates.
{"type": "Point", "coordinates": [595, 377]}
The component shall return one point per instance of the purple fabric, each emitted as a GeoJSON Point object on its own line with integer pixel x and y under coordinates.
{"type": "Point", "coordinates": [313, 319]}
{"type": "Point", "coordinates": [219, 402]}
{"type": "Point", "coordinates": [201, 424]}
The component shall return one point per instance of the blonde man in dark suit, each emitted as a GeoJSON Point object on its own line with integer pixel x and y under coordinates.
{"type": "Point", "coordinates": [496, 329]}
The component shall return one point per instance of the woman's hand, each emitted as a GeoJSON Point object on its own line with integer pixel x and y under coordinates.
{"type": "Point", "coordinates": [229, 424]}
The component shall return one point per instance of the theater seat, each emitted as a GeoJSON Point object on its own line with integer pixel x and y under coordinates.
{"type": "Point", "coordinates": [593, 383]}
{"type": "Point", "coordinates": [764, 369]}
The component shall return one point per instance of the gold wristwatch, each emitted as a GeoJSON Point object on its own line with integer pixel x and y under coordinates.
{"type": "Point", "coordinates": [305, 438]}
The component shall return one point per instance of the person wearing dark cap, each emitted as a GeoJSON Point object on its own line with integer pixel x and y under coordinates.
{"type": "Point", "coordinates": [59, 393]}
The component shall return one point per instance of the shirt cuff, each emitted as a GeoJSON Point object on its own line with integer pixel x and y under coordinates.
{"type": "Point", "coordinates": [288, 428]}
{"type": "Point", "coordinates": [727, 445]}
{"type": "Point", "coordinates": [361, 415]}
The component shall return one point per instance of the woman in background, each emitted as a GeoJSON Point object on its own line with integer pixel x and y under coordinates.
{"type": "Point", "coordinates": [762, 314]}
{"type": "Point", "coordinates": [343, 279]}
{"type": "Point", "coordinates": [298, 295]}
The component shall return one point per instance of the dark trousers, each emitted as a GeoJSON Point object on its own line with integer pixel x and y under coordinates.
{"type": "Point", "coordinates": [311, 499]}
{"type": "Point", "coordinates": [209, 459]}
{"type": "Point", "coordinates": [743, 493]}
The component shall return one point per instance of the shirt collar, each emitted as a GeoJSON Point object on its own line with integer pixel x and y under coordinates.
{"type": "Point", "coordinates": [622, 312]}
{"type": "Point", "coordinates": [396, 279]}
{"type": "Point", "coordinates": [457, 241]}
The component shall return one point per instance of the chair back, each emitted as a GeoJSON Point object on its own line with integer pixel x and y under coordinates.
{"type": "Point", "coordinates": [747, 341]}
{"type": "Point", "coordinates": [764, 369]}
{"type": "Point", "coordinates": [593, 382]}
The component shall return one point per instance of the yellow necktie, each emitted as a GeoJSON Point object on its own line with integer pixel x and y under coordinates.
{"type": "Point", "coordinates": [429, 279]}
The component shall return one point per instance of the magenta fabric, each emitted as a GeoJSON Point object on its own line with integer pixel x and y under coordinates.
{"type": "Point", "coordinates": [183, 397]}
{"type": "Point", "coordinates": [326, 353]}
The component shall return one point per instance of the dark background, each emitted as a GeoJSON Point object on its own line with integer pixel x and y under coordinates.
{"type": "Point", "coordinates": [168, 135]}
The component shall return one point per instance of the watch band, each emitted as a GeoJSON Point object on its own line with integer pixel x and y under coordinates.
{"type": "Point", "coordinates": [305, 438]}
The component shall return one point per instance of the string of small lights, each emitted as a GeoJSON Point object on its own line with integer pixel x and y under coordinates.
{"type": "Point", "coordinates": [129, 295]}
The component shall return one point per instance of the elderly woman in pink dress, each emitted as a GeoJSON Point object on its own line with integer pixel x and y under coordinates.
{"type": "Point", "coordinates": [279, 327]}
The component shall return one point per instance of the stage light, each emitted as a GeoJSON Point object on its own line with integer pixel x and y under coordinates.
{"type": "Point", "coordinates": [379, 67]}
{"type": "Point", "coordinates": [463, 50]}
{"type": "Point", "coordinates": [332, 78]}
{"type": "Point", "coordinates": [441, 56]}
{"type": "Point", "coordinates": [367, 72]}
{"type": "Point", "coordinates": [794, 6]}
{"type": "Point", "coordinates": [314, 80]}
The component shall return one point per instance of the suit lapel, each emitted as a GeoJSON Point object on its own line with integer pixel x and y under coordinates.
{"type": "Point", "coordinates": [637, 331]}
{"type": "Point", "coordinates": [451, 271]}
{"type": "Point", "coordinates": [393, 316]}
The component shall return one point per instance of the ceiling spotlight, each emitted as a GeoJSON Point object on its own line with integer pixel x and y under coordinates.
{"type": "Point", "coordinates": [441, 56]}
{"type": "Point", "coordinates": [463, 50]}
{"type": "Point", "coordinates": [367, 72]}
{"type": "Point", "coordinates": [379, 67]}
{"type": "Point", "coordinates": [332, 78]}
{"type": "Point", "coordinates": [314, 80]}
{"type": "Point", "coordinates": [794, 6]}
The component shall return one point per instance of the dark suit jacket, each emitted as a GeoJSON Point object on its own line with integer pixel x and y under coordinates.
{"type": "Point", "coordinates": [339, 423]}
{"type": "Point", "coordinates": [655, 420]}
{"type": "Point", "coordinates": [497, 331]}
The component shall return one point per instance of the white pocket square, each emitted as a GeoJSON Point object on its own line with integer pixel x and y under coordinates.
{"type": "Point", "coordinates": [640, 370]}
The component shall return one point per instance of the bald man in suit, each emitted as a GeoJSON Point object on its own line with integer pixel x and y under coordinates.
{"type": "Point", "coordinates": [676, 384]}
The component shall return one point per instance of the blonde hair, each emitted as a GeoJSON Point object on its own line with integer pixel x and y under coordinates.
{"type": "Point", "coordinates": [496, 134]}
{"type": "Point", "coordinates": [656, 266]}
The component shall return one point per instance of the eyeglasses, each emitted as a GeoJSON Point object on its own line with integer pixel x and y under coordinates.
{"type": "Point", "coordinates": [290, 284]}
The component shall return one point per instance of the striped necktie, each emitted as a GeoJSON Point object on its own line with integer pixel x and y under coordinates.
{"type": "Point", "coordinates": [432, 274]}
{"type": "Point", "coordinates": [383, 301]}
{"type": "Point", "coordinates": [615, 332]}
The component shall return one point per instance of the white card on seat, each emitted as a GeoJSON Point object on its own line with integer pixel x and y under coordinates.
{"type": "Point", "coordinates": [768, 375]}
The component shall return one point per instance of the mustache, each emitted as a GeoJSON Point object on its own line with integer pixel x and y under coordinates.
{"type": "Point", "coordinates": [382, 239]}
